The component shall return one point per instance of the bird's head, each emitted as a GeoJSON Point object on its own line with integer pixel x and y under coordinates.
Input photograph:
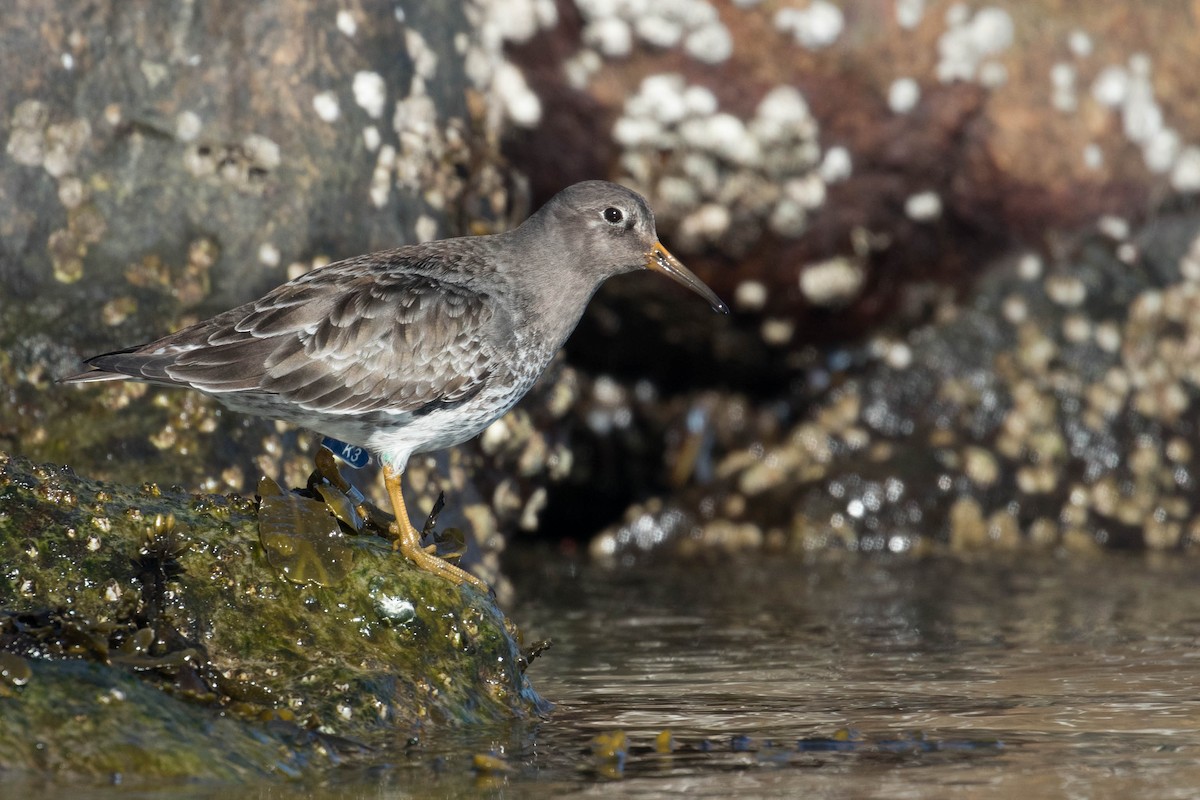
{"type": "Point", "coordinates": [609, 229]}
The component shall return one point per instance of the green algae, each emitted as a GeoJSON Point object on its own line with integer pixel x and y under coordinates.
{"type": "Point", "coordinates": [80, 719]}
{"type": "Point", "coordinates": [174, 602]}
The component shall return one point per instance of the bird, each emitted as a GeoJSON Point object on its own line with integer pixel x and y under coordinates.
{"type": "Point", "coordinates": [417, 348]}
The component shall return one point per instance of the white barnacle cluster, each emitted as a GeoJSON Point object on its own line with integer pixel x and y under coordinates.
{"type": "Point", "coordinates": [903, 95]}
{"type": "Point", "coordinates": [720, 178]}
{"type": "Point", "coordinates": [1128, 90]}
{"type": "Point", "coordinates": [832, 283]}
{"type": "Point", "coordinates": [1062, 83]}
{"type": "Point", "coordinates": [970, 45]}
{"type": "Point", "coordinates": [327, 106]}
{"type": "Point", "coordinates": [611, 27]}
{"type": "Point", "coordinates": [1064, 76]}
{"type": "Point", "coordinates": [429, 148]}
{"type": "Point", "coordinates": [393, 608]}
{"type": "Point", "coordinates": [370, 92]}
{"type": "Point", "coordinates": [909, 13]}
{"type": "Point", "coordinates": [420, 135]}
{"type": "Point", "coordinates": [59, 148]}
{"type": "Point", "coordinates": [496, 23]}
{"type": "Point", "coordinates": [814, 27]}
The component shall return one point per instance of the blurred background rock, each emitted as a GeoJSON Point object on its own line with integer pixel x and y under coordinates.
{"type": "Point", "coordinates": [958, 239]}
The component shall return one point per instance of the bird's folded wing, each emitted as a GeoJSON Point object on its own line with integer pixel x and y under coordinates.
{"type": "Point", "coordinates": [343, 340]}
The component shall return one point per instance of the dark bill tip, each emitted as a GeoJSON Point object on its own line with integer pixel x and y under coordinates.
{"type": "Point", "coordinates": [660, 259]}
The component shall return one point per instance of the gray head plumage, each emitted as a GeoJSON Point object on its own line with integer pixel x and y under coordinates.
{"type": "Point", "coordinates": [608, 230]}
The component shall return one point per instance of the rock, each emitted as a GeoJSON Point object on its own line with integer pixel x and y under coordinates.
{"type": "Point", "coordinates": [1051, 411]}
{"type": "Point", "coordinates": [910, 143]}
{"type": "Point", "coordinates": [176, 163]}
{"type": "Point", "coordinates": [195, 647]}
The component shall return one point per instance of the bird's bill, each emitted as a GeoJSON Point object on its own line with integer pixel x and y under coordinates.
{"type": "Point", "coordinates": [660, 259]}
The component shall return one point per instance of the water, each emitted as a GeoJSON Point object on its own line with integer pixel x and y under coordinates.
{"type": "Point", "coordinates": [865, 677]}
{"type": "Point", "coordinates": [1043, 677]}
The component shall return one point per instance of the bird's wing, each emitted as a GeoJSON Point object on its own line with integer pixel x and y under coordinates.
{"type": "Point", "coordinates": [354, 337]}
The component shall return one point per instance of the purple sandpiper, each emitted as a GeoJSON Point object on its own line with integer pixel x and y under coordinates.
{"type": "Point", "coordinates": [418, 348]}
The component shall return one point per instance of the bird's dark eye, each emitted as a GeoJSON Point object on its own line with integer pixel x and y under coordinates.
{"type": "Point", "coordinates": [613, 216]}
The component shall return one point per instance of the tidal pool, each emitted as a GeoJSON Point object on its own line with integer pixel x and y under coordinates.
{"type": "Point", "coordinates": [858, 677]}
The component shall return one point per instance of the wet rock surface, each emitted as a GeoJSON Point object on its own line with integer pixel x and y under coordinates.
{"type": "Point", "coordinates": [194, 648]}
{"type": "Point", "coordinates": [1055, 409]}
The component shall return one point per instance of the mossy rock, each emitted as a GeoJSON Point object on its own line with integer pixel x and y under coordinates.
{"type": "Point", "coordinates": [160, 618]}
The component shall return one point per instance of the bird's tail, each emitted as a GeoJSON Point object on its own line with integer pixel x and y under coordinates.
{"type": "Point", "coordinates": [94, 376]}
{"type": "Point", "coordinates": [114, 366]}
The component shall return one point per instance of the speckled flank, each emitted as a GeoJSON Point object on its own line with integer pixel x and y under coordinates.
{"type": "Point", "coordinates": [317, 150]}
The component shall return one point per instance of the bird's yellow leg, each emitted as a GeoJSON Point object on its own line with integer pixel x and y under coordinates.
{"type": "Point", "coordinates": [408, 540]}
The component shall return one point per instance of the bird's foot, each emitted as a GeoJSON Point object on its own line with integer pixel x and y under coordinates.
{"type": "Point", "coordinates": [430, 562]}
{"type": "Point", "coordinates": [408, 539]}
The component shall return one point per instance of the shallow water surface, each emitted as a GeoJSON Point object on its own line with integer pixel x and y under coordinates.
{"type": "Point", "coordinates": [1045, 677]}
{"type": "Point", "coordinates": [869, 677]}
